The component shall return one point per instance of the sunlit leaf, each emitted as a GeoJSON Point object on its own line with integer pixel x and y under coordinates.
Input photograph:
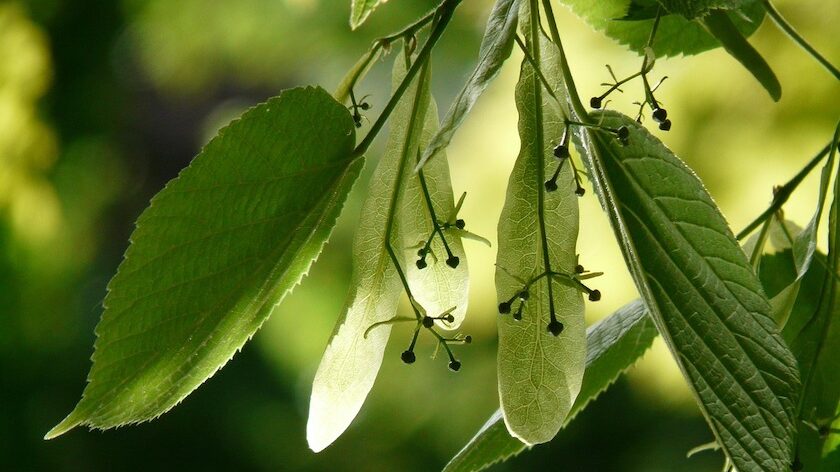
{"type": "Point", "coordinates": [215, 252]}
{"type": "Point", "coordinates": [353, 358]}
{"type": "Point", "coordinates": [539, 373]}
{"type": "Point", "coordinates": [361, 9]}
{"type": "Point", "coordinates": [438, 287]}
{"type": "Point", "coordinates": [614, 344]}
{"type": "Point", "coordinates": [676, 35]}
{"type": "Point", "coordinates": [496, 46]}
{"type": "Point", "coordinates": [701, 292]}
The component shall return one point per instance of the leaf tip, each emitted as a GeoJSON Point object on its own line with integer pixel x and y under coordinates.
{"type": "Point", "coordinates": [64, 426]}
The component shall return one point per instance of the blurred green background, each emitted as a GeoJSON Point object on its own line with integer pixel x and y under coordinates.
{"type": "Point", "coordinates": [102, 102]}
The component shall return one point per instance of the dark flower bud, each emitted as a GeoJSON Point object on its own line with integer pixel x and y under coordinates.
{"type": "Point", "coordinates": [550, 185]}
{"type": "Point", "coordinates": [449, 318]}
{"type": "Point", "coordinates": [660, 114]}
{"type": "Point", "coordinates": [454, 366]}
{"type": "Point", "coordinates": [428, 322]}
{"type": "Point", "coordinates": [595, 102]}
{"type": "Point", "coordinates": [594, 295]}
{"type": "Point", "coordinates": [561, 151]}
{"type": "Point", "coordinates": [421, 252]}
{"type": "Point", "coordinates": [453, 261]}
{"type": "Point", "coordinates": [408, 357]}
{"type": "Point", "coordinates": [555, 328]}
{"type": "Point", "coordinates": [468, 339]}
{"type": "Point", "coordinates": [504, 308]}
{"type": "Point", "coordinates": [460, 224]}
{"type": "Point", "coordinates": [364, 106]}
{"type": "Point", "coordinates": [579, 269]}
{"type": "Point", "coordinates": [665, 125]}
{"type": "Point", "coordinates": [623, 132]}
{"type": "Point", "coordinates": [580, 191]}
{"type": "Point", "coordinates": [421, 264]}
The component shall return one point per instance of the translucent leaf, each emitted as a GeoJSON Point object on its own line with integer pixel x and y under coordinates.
{"type": "Point", "coordinates": [361, 9]}
{"type": "Point", "coordinates": [215, 252]}
{"type": "Point", "coordinates": [676, 35]}
{"type": "Point", "coordinates": [438, 287]}
{"type": "Point", "coordinates": [352, 360]}
{"type": "Point", "coordinates": [615, 343]}
{"type": "Point", "coordinates": [539, 373]}
{"type": "Point", "coordinates": [701, 292]}
{"type": "Point", "coordinates": [496, 46]}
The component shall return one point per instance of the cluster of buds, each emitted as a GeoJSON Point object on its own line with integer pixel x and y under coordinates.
{"type": "Point", "coordinates": [426, 322]}
{"type": "Point", "coordinates": [555, 327]}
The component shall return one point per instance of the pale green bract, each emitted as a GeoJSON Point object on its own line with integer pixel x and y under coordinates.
{"type": "Point", "coordinates": [361, 9]}
{"type": "Point", "coordinates": [539, 374]}
{"type": "Point", "coordinates": [352, 360]}
{"type": "Point", "coordinates": [614, 344]}
{"type": "Point", "coordinates": [215, 252]}
{"type": "Point", "coordinates": [701, 292]}
{"type": "Point", "coordinates": [496, 46]}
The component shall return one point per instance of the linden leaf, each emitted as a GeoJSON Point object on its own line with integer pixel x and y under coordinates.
{"type": "Point", "coordinates": [214, 253]}
{"type": "Point", "coordinates": [701, 292]}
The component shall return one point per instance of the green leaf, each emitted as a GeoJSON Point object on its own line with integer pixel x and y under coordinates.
{"type": "Point", "coordinates": [701, 292]}
{"type": "Point", "coordinates": [215, 252]}
{"type": "Point", "coordinates": [804, 246]}
{"type": "Point", "coordinates": [615, 343]}
{"type": "Point", "coordinates": [352, 360]}
{"type": "Point", "coordinates": [539, 373]}
{"type": "Point", "coordinates": [676, 34]}
{"type": "Point", "coordinates": [805, 243]}
{"type": "Point", "coordinates": [814, 336]}
{"type": "Point", "coordinates": [721, 26]}
{"type": "Point", "coordinates": [695, 8]}
{"type": "Point", "coordinates": [496, 46]}
{"type": "Point", "coordinates": [360, 10]}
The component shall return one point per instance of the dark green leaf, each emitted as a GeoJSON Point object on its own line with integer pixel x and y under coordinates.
{"type": "Point", "coordinates": [695, 8]}
{"type": "Point", "coordinates": [701, 291]}
{"type": "Point", "coordinates": [676, 35]}
{"type": "Point", "coordinates": [813, 333]}
{"type": "Point", "coordinates": [615, 343]}
{"type": "Point", "coordinates": [721, 26]}
{"type": "Point", "coordinates": [215, 252]}
{"type": "Point", "coordinates": [496, 46]}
